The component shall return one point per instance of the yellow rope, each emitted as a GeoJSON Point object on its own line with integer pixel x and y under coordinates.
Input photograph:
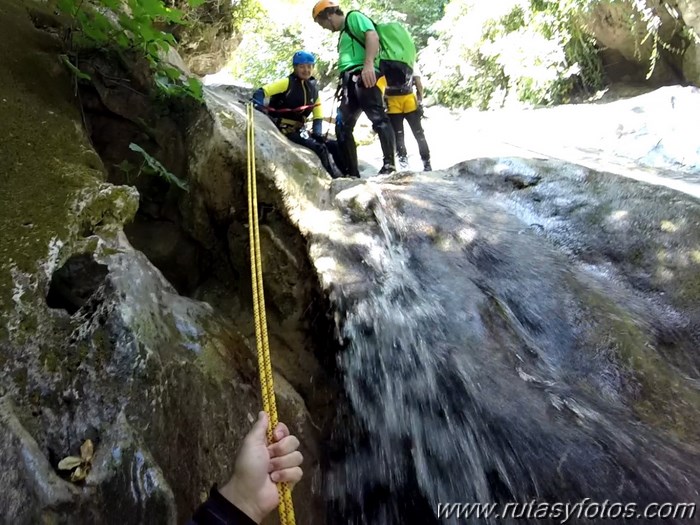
{"type": "Point", "coordinates": [286, 508]}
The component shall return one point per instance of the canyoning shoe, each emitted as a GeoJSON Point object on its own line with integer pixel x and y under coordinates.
{"type": "Point", "coordinates": [427, 166]}
{"type": "Point", "coordinates": [403, 162]}
{"type": "Point", "coordinates": [387, 168]}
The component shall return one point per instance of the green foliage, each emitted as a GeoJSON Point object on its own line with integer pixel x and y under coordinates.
{"type": "Point", "coordinates": [418, 15]}
{"type": "Point", "coordinates": [272, 35]}
{"type": "Point", "coordinates": [132, 25]}
{"type": "Point", "coordinates": [509, 52]}
{"type": "Point", "coordinates": [247, 12]}
{"type": "Point", "coordinates": [489, 54]}
{"type": "Point", "coordinates": [151, 166]}
{"type": "Point", "coordinates": [267, 54]}
{"type": "Point", "coordinates": [647, 19]}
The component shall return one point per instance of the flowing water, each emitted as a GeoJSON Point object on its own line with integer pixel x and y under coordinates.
{"type": "Point", "coordinates": [482, 363]}
{"type": "Point", "coordinates": [480, 368]}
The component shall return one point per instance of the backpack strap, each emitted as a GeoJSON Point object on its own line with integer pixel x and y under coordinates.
{"type": "Point", "coordinates": [313, 84]}
{"type": "Point", "coordinates": [346, 29]}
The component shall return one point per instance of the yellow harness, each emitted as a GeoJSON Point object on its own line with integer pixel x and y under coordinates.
{"type": "Point", "coordinates": [288, 126]}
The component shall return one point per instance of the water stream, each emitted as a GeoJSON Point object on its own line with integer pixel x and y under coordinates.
{"type": "Point", "coordinates": [485, 361]}
{"type": "Point", "coordinates": [476, 373]}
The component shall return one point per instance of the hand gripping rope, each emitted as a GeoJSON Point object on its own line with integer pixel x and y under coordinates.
{"type": "Point", "coordinates": [286, 507]}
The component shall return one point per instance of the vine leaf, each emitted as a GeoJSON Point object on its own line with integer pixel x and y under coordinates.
{"type": "Point", "coordinates": [87, 450]}
{"type": "Point", "coordinates": [70, 462]}
{"type": "Point", "coordinates": [80, 466]}
{"type": "Point", "coordinates": [158, 169]}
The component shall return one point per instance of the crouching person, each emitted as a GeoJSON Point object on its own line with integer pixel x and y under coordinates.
{"type": "Point", "coordinates": [291, 101]}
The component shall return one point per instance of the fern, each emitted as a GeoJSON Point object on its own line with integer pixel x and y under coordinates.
{"type": "Point", "coordinates": [152, 166]}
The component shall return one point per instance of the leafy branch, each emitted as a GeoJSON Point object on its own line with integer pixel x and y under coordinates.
{"type": "Point", "coordinates": [488, 54]}
{"type": "Point", "coordinates": [131, 25]}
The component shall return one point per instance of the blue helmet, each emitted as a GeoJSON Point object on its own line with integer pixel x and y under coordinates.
{"type": "Point", "coordinates": [303, 57]}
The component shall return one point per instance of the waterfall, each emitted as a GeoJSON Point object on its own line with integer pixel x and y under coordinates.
{"type": "Point", "coordinates": [472, 375]}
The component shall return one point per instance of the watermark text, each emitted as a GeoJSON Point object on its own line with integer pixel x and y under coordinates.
{"type": "Point", "coordinates": [566, 512]}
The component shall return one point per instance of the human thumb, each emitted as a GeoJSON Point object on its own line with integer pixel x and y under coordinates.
{"type": "Point", "coordinates": [258, 434]}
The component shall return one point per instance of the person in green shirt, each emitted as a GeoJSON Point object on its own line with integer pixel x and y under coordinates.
{"type": "Point", "coordinates": [361, 90]}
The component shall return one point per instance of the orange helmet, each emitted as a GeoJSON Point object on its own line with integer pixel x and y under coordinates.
{"type": "Point", "coordinates": [322, 5]}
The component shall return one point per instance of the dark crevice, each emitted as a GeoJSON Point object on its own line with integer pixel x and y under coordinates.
{"type": "Point", "coordinates": [75, 282]}
{"type": "Point", "coordinates": [115, 122]}
{"type": "Point", "coordinates": [180, 259]}
{"type": "Point", "coordinates": [521, 181]}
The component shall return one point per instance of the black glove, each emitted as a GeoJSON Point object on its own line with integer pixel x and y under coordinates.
{"type": "Point", "coordinates": [420, 110]}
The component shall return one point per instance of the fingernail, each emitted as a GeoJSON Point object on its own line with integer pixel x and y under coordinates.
{"type": "Point", "coordinates": [274, 476]}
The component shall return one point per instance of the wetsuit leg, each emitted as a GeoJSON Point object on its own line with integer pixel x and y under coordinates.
{"type": "Point", "coordinates": [317, 147]}
{"type": "Point", "coordinates": [396, 120]}
{"type": "Point", "coordinates": [334, 150]}
{"type": "Point", "coordinates": [372, 103]}
{"type": "Point", "coordinates": [414, 120]}
{"type": "Point", "coordinates": [348, 113]}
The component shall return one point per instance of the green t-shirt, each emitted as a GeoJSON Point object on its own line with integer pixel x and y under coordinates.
{"type": "Point", "coordinates": [351, 55]}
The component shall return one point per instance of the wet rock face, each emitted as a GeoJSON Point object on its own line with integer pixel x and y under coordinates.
{"type": "Point", "coordinates": [292, 191]}
{"type": "Point", "coordinates": [161, 385]}
{"type": "Point", "coordinates": [94, 342]}
{"type": "Point", "coordinates": [640, 235]}
{"type": "Point", "coordinates": [646, 234]}
{"type": "Point", "coordinates": [171, 250]}
{"type": "Point", "coordinates": [511, 344]}
{"type": "Point", "coordinates": [510, 331]}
